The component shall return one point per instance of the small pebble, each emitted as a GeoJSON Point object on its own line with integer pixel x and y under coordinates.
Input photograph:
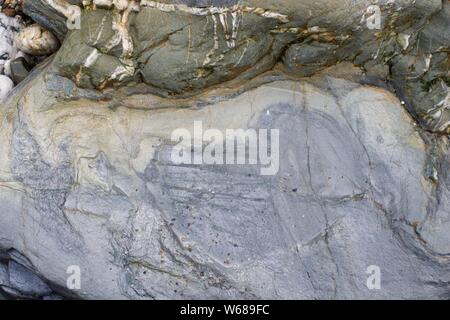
{"type": "Point", "coordinates": [35, 40]}
{"type": "Point", "coordinates": [9, 12]}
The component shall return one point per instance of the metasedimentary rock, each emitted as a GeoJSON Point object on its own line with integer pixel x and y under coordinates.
{"type": "Point", "coordinates": [93, 183]}
{"type": "Point", "coordinates": [47, 16]}
{"type": "Point", "coordinates": [182, 47]}
{"type": "Point", "coordinates": [87, 176]}
{"type": "Point", "coordinates": [35, 40]}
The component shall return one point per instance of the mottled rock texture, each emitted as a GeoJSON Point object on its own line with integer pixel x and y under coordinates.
{"type": "Point", "coordinates": [93, 184]}
{"type": "Point", "coordinates": [86, 176]}
{"type": "Point", "coordinates": [18, 279]}
{"type": "Point", "coordinates": [180, 50]}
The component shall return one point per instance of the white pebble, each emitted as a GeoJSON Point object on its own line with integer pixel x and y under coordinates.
{"type": "Point", "coordinates": [37, 41]}
{"type": "Point", "coordinates": [103, 3]}
{"type": "Point", "coordinates": [6, 86]}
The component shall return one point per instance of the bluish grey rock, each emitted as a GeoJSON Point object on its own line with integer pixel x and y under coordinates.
{"type": "Point", "coordinates": [359, 185]}
{"type": "Point", "coordinates": [26, 282]}
{"type": "Point", "coordinates": [89, 189]}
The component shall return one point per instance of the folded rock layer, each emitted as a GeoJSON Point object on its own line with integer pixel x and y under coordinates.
{"type": "Point", "coordinates": [93, 185]}
{"type": "Point", "coordinates": [87, 176]}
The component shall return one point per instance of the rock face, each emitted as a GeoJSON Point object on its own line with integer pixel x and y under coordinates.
{"type": "Point", "coordinates": [35, 40]}
{"type": "Point", "coordinates": [88, 177]}
{"type": "Point", "coordinates": [94, 184]}
{"type": "Point", "coordinates": [180, 50]}
{"type": "Point", "coordinates": [19, 281]}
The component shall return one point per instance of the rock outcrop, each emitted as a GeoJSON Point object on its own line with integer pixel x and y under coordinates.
{"type": "Point", "coordinates": [180, 50]}
{"type": "Point", "coordinates": [87, 176]}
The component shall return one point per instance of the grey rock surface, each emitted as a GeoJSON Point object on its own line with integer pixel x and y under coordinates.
{"type": "Point", "coordinates": [87, 178]}
{"type": "Point", "coordinates": [306, 59]}
{"type": "Point", "coordinates": [44, 14]}
{"type": "Point", "coordinates": [181, 48]}
{"type": "Point", "coordinates": [20, 69]}
{"type": "Point", "coordinates": [94, 184]}
{"type": "Point", "coordinates": [18, 279]}
{"type": "Point", "coordinates": [4, 275]}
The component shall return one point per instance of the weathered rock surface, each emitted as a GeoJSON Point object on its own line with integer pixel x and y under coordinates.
{"type": "Point", "coordinates": [20, 69]}
{"type": "Point", "coordinates": [35, 40]}
{"type": "Point", "coordinates": [182, 47]}
{"type": "Point", "coordinates": [47, 16]}
{"type": "Point", "coordinates": [93, 185]}
{"type": "Point", "coordinates": [9, 28]}
{"type": "Point", "coordinates": [87, 179]}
